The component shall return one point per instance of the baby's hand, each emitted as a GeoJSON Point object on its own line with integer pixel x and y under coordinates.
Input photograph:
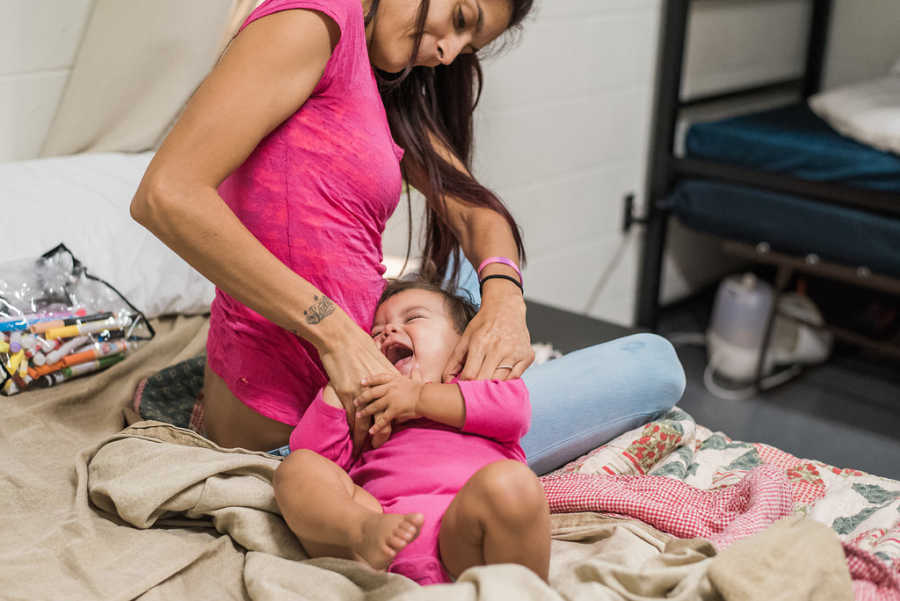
{"type": "Point", "coordinates": [381, 437]}
{"type": "Point", "coordinates": [389, 397]}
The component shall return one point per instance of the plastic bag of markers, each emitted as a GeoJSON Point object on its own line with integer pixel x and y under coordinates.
{"type": "Point", "coordinates": [58, 322]}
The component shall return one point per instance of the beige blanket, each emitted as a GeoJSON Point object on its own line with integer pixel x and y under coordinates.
{"type": "Point", "coordinates": [89, 511]}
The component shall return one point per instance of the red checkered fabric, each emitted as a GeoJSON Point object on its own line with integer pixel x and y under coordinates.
{"type": "Point", "coordinates": [807, 487]}
{"type": "Point", "coordinates": [722, 516]}
{"type": "Point", "coordinates": [872, 579]}
{"type": "Point", "coordinates": [774, 456]}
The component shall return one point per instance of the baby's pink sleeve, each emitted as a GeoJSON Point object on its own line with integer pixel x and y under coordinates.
{"type": "Point", "coordinates": [496, 409]}
{"type": "Point", "coordinates": [324, 429]}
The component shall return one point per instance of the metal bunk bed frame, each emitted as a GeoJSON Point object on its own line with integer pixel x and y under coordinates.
{"type": "Point", "coordinates": [665, 169]}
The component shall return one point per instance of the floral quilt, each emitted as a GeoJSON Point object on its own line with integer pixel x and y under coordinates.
{"type": "Point", "coordinates": [863, 509]}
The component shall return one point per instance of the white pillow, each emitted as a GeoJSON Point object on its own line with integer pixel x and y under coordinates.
{"type": "Point", "coordinates": [868, 112]}
{"type": "Point", "coordinates": [83, 201]}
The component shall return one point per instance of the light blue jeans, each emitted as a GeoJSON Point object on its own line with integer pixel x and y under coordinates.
{"type": "Point", "coordinates": [590, 396]}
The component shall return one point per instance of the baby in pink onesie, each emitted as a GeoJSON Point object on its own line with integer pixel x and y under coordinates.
{"type": "Point", "coordinates": [449, 489]}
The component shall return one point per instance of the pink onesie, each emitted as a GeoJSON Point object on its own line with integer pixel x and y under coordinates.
{"type": "Point", "coordinates": [424, 464]}
{"type": "Point", "coordinates": [317, 193]}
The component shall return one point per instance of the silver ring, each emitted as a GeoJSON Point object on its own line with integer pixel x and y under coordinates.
{"type": "Point", "coordinates": [504, 367]}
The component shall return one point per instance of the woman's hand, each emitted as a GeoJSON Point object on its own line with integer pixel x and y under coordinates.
{"type": "Point", "coordinates": [496, 344]}
{"type": "Point", "coordinates": [349, 357]}
{"type": "Point", "coordinates": [389, 397]}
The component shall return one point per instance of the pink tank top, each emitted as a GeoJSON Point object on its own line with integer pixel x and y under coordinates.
{"type": "Point", "coordinates": [317, 193]}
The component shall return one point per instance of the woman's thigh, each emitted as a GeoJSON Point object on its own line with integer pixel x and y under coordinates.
{"type": "Point", "coordinates": [230, 423]}
{"type": "Point", "coordinates": [590, 396]}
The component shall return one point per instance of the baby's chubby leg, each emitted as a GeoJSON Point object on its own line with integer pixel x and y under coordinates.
{"type": "Point", "coordinates": [500, 516]}
{"type": "Point", "coordinates": [334, 517]}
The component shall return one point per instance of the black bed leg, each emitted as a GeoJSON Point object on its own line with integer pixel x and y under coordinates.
{"type": "Point", "coordinates": [667, 96]}
{"type": "Point", "coordinates": [650, 278]}
{"type": "Point", "coordinates": [782, 279]}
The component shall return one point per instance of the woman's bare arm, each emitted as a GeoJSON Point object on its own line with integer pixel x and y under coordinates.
{"type": "Point", "coordinates": [498, 335]}
{"type": "Point", "coordinates": [268, 72]}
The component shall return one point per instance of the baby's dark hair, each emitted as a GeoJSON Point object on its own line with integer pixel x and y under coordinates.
{"type": "Point", "coordinates": [461, 309]}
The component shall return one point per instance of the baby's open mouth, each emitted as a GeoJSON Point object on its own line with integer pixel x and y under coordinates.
{"type": "Point", "coordinates": [401, 356]}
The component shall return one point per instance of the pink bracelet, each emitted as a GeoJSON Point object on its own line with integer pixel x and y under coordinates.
{"type": "Point", "coordinates": [502, 260]}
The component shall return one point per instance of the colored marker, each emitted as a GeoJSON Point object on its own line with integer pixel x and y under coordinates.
{"type": "Point", "coordinates": [28, 342]}
{"type": "Point", "coordinates": [91, 366]}
{"type": "Point", "coordinates": [49, 345]}
{"type": "Point", "coordinates": [12, 366]}
{"type": "Point", "coordinates": [95, 351]}
{"type": "Point", "coordinates": [40, 328]}
{"type": "Point", "coordinates": [67, 373]}
{"type": "Point", "coordinates": [39, 358]}
{"type": "Point", "coordinates": [49, 380]}
{"type": "Point", "coordinates": [26, 321]}
{"type": "Point", "coordinates": [67, 348]}
{"type": "Point", "coordinates": [4, 347]}
{"type": "Point", "coordinates": [86, 328]}
{"type": "Point", "coordinates": [76, 369]}
{"type": "Point", "coordinates": [31, 348]}
{"type": "Point", "coordinates": [107, 335]}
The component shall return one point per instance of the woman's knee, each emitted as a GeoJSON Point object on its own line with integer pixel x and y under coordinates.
{"type": "Point", "coordinates": [662, 375]}
{"type": "Point", "coordinates": [510, 491]}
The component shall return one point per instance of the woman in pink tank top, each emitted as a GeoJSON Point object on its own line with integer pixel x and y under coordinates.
{"type": "Point", "coordinates": [277, 181]}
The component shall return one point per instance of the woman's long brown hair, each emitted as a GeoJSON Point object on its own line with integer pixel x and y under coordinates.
{"type": "Point", "coordinates": [425, 105]}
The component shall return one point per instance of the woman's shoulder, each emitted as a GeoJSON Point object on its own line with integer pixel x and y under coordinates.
{"type": "Point", "coordinates": [344, 13]}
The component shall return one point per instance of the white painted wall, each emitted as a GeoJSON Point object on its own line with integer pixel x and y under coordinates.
{"type": "Point", "coordinates": [562, 136]}
{"type": "Point", "coordinates": [38, 42]}
{"type": "Point", "coordinates": [864, 41]}
{"type": "Point", "coordinates": [733, 43]}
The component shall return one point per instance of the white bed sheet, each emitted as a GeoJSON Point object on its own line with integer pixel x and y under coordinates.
{"type": "Point", "coordinates": [83, 201]}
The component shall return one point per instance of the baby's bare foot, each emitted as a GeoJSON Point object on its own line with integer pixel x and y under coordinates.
{"type": "Point", "coordinates": [384, 535]}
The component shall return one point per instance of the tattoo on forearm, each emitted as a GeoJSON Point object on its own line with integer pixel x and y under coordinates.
{"type": "Point", "coordinates": [319, 310]}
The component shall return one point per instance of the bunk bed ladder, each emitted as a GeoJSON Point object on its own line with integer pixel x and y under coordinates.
{"type": "Point", "coordinates": [664, 166]}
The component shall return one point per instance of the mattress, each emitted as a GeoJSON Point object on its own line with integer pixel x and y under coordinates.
{"type": "Point", "coordinates": [794, 141]}
{"type": "Point", "coordinates": [789, 224]}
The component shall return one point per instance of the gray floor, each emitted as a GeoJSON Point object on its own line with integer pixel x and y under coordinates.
{"type": "Point", "coordinates": [845, 412]}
